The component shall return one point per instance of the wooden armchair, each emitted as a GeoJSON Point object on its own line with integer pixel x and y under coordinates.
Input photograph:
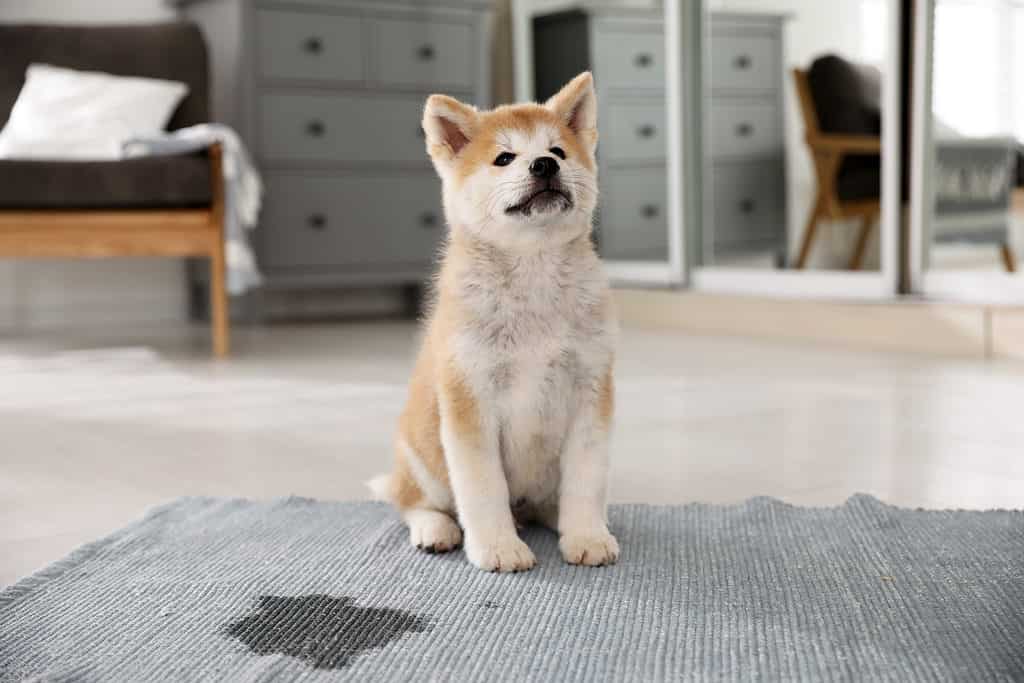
{"type": "Point", "coordinates": [103, 233]}
{"type": "Point", "coordinates": [828, 152]}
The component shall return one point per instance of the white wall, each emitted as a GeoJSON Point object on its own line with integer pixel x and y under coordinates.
{"type": "Point", "coordinates": [53, 294]}
{"type": "Point", "coordinates": [84, 11]}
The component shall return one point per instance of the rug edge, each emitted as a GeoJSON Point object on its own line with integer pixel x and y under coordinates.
{"type": "Point", "coordinates": [54, 570]}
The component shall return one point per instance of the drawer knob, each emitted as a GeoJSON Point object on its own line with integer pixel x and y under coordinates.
{"type": "Point", "coordinates": [316, 128]}
{"type": "Point", "coordinates": [645, 131]}
{"type": "Point", "coordinates": [426, 53]}
{"type": "Point", "coordinates": [743, 62]}
{"type": "Point", "coordinates": [649, 210]}
{"type": "Point", "coordinates": [643, 60]}
{"type": "Point", "coordinates": [747, 206]}
{"type": "Point", "coordinates": [744, 130]}
{"type": "Point", "coordinates": [428, 219]}
{"type": "Point", "coordinates": [313, 45]}
{"type": "Point", "coordinates": [317, 221]}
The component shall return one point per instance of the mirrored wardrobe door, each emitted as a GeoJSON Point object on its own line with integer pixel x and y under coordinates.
{"type": "Point", "coordinates": [624, 45]}
{"type": "Point", "coordinates": [968, 209]}
{"type": "Point", "coordinates": [800, 145]}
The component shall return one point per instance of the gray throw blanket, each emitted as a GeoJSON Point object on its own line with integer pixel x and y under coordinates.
{"type": "Point", "coordinates": [243, 191]}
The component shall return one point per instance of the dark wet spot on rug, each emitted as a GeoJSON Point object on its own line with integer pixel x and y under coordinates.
{"type": "Point", "coordinates": [323, 631]}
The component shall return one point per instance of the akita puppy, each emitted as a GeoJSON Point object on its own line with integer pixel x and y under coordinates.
{"type": "Point", "coordinates": [510, 404]}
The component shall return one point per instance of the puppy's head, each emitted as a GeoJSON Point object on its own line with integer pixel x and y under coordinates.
{"type": "Point", "coordinates": [522, 175]}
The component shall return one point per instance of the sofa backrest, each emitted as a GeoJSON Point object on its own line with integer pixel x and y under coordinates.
{"type": "Point", "coordinates": [173, 51]}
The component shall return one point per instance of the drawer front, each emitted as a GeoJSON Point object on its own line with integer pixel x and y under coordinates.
{"type": "Point", "coordinates": [425, 54]}
{"type": "Point", "coordinates": [745, 62]}
{"type": "Point", "coordinates": [634, 215]}
{"type": "Point", "coordinates": [748, 202]}
{"type": "Point", "coordinates": [635, 132]}
{"type": "Point", "coordinates": [361, 220]}
{"type": "Point", "coordinates": [323, 47]}
{"type": "Point", "coordinates": [745, 130]}
{"type": "Point", "coordinates": [351, 128]}
{"type": "Point", "coordinates": [630, 59]}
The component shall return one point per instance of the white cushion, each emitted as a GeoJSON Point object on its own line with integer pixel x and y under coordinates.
{"type": "Point", "coordinates": [68, 114]}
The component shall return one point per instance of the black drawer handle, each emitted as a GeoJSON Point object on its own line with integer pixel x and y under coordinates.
{"type": "Point", "coordinates": [743, 62]}
{"type": "Point", "coordinates": [745, 130]}
{"type": "Point", "coordinates": [426, 53]}
{"type": "Point", "coordinates": [313, 45]}
{"type": "Point", "coordinates": [643, 60]}
{"type": "Point", "coordinates": [747, 206]}
{"type": "Point", "coordinates": [317, 221]}
{"type": "Point", "coordinates": [316, 129]}
{"type": "Point", "coordinates": [649, 210]}
{"type": "Point", "coordinates": [645, 131]}
{"type": "Point", "coordinates": [428, 219]}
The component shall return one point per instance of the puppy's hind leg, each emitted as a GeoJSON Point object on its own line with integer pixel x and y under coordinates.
{"type": "Point", "coordinates": [423, 499]}
{"type": "Point", "coordinates": [432, 531]}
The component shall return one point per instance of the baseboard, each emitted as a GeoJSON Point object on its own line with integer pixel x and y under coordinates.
{"type": "Point", "coordinates": [911, 326]}
{"type": "Point", "coordinates": [1007, 333]}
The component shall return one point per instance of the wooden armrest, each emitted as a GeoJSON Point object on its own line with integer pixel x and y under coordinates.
{"type": "Point", "coordinates": [846, 143]}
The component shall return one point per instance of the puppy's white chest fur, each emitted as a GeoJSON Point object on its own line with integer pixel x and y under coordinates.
{"type": "Point", "coordinates": [539, 337]}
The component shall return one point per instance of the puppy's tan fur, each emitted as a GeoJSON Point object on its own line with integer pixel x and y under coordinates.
{"type": "Point", "coordinates": [511, 401]}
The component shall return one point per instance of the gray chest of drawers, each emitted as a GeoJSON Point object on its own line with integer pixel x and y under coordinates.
{"type": "Point", "coordinates": [329, 95]}
{"type": "Point", "coordinates": [744, 137]}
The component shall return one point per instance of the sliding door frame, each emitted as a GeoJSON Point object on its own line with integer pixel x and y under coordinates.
{"type": "Point", "coordinates": [990, 287]}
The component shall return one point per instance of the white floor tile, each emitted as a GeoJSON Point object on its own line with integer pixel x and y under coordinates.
{"type": "Point", "coordinates": [96, 428]}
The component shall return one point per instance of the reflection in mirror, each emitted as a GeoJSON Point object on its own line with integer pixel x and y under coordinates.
{"type": "Point", "coordinates": [977, 147]}
{"type": "Point", "coordinates": [624, 45]}
{"type": "Point", "coordinates": [793, 133]}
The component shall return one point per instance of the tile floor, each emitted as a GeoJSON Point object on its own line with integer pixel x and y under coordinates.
{"type": "Point", "coordinates": [96, 429]}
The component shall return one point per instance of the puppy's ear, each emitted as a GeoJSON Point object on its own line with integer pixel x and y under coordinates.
{"type": "Point", "coordinates": [576, 105]}
{"type": "Point", "coordinates": [449, 126]}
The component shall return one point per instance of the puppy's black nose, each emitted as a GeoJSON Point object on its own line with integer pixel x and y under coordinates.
{"type": "Point", "coordinates": [543, 167]}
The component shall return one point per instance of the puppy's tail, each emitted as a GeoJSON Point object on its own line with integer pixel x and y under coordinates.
{"type": "Point", "coordinates": [380, 487]}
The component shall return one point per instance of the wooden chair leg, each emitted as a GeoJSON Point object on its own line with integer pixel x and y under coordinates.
{"type": "Point", "coordinates": [1009, 259]}
{"type": "Point", "coordinates": [219, 318]}
{"type": "Point", "coordinates": [857, 259]}
{"type": "Point", "coordinates": [810, 231]}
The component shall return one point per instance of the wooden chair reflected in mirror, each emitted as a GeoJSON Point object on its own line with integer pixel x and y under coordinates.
{"type": "Point", "coordinates": [830, 153]}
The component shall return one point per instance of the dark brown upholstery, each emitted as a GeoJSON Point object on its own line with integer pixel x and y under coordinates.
{"type": "Point", "coordinates": [143, 183]}
{"type": "Point", "coordinates": [173, 51]}
{"type": "Point", "coordinates": [848, 100]}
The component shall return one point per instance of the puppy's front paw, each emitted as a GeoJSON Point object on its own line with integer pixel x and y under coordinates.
{"type": "Point", "coordinates": [593, 549]}
{"type": "Point", "coordinates": [502, 554]}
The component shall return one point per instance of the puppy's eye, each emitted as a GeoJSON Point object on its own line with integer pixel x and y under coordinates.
{"type": "Point", "coordinates": [558, 152]}
{"type": "Point", "coordinates": [504, 159]}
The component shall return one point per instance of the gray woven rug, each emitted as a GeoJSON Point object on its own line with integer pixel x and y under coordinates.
{"type": "Point", "coordinates": [297, 589]}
